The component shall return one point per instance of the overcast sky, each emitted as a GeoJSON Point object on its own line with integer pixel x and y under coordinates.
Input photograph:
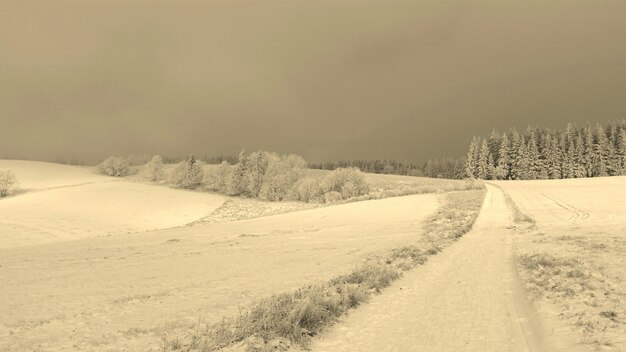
{"type": "Point", "coordinates": [328, 79]}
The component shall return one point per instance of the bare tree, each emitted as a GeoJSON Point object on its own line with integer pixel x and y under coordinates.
{"type": "Point", "coordinates": [8, 182]}
{"type": "Point", "coordinates": [153, 170]}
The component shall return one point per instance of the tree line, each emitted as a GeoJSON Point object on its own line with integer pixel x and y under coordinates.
{"type": "Point", "coordinates": [263, 175]}
{"type": "Point", "coordinates": [371, 166]}
{"type": "Point", "coordinates": [450, 168]}
{"type": "Point", "coordinates": [542, 153]}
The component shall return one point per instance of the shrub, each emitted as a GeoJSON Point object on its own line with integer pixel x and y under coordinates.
{"type": "Point", "coordinates": [332, 196]}
{"type": "Point", "coordinates": [187, 174]}
{"type": "Point", "coordinates": [215, 179]}
{"type": "Point", "coordinates": [236, 181]}
{"type": "Point", "coordinates": [307, 190]}
{"type": "Point", "coordinates": [8, 182]}
{"type": "Point", "coordinates": [262, 175]}
{"type": "Point", "coordinates": [282, 173]}
{"type": "Point", "coordinates": [348, 182]}
{"type": "Point", "coordinates": [256, 168]}
{"type": "Point", "coordinates": [114, 166]}
{"type": "Point", "coordinates": [153, 170]}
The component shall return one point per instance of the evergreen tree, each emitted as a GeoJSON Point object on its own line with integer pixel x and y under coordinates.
{"type": "Point", "coordinates": [470, 163]}
{"type": "Point", "coordinates": [580, 168]}
{"type": "Point", "coordinates": [620, 151]}
{"type": "Point", "coordinates": [516, 142]}
{"type": "Point", "coordinates": [491, 167]}
{"type": "Point", "coordinates": [602, 153]}
{"type": "Point", "coordinates": [544, 146]}
{"type": "Point", "coordinates": [494, 144]}
{"type": "Point", "coordinates": [187, 174]}
{"type": "Point", "coordinates": [503, 163]}
{"type": "Point", "coordinates": [483, 167]}
{"type": "Point", "coordinates": [589, 156]}
{"type": "Point", "coordinates": [237, 181]}
{"type": "Point", "coordinates": [519, 157]}
{"type": "Point", "coordinates": [548, 154]}
{"type": "Point", "coordinates": [568, 155]}
{"type": "Point", "coordinates": [534, 163]}
{"type": "Point", "coordinates": [552, 158]}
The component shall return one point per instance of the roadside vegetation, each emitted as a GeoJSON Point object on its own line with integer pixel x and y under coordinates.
{"type": "Point", "coordinates": [518, 216]}
{"type": "Point", "coordinates": [576, 272]}
{"type": "Point", "coordinates": [293, 318]}
{"type": "Point", "coordinates": [588, 298]}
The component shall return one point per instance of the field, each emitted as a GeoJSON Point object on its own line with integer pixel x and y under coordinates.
{"type": "Point", "coordinates": [571, 257]}
{"type": "Point", "coordinates": [125, 291]}
{"type": "Point", "coordinates": [92, 263]}
{"type": "Point", "coordinates": [60, 202]}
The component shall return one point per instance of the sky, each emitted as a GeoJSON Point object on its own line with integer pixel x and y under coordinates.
{"type": "Point", "coordinates": [327, 79]}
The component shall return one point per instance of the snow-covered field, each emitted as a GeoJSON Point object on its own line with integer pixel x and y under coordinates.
{"type": "Point", "coordinates": [485, 294]}
{"type": "Point", "coordinates": [573, 259]}
{"type": "Point", "coordinates": [125, 291]}
{"type": "Point", "coordinates": [62, 202]}
{"type": "Point", "coordinates": [91, 263]}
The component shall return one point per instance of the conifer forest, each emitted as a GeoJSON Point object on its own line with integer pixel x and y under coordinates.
{"type": "Point", "coordinates": [542, 153]}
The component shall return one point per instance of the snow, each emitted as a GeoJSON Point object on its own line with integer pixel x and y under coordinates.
{"type": "Point", "coordinates": [126, 291]}
{"type": "Point", "coordinates": [71, 202]}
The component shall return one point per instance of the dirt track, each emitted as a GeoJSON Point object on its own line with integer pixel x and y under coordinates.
{"type": "Point", "coordinates": [464, 299]}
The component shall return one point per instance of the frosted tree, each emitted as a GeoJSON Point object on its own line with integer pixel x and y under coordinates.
{"type": "Point", "coordinates": [548, 154]}
{"type": "Point", "coordinates": [580, 160]}
{"type": "Point", "coordinates": [544, 145]}
{"type": "Point", "coordinates": [588, 152]}
{"type": "Point", "coordinates": [552, 158]}
{"type": "Point", "coordinates": [257, 165]}
{"type": "Point", "coordinates": [153, 170]}
{"type": "Point", "coordinates": [114, 166]}
{"type": "Point", "coordinates": [187, 174]}
{"type": "Point", "coordinates": [491, 167]}
{"type": "Point", "coordinates": [620, 151]}
{"type": "Point", "coordinates": [282, 173]}
{"type": "Point", "coordinates": [482, 166]}
{"type": "Point", "coordinates": [519, 156]}
{"type": "Point", "coordinates": [494, 144]}
{"type": "Point", "coordinates": [344, 183]}
{"type": "Point", "coordinates": [215, 178]}
{"type": "Point", "coordinates": [600, 156]}
{"type": "Point", "coordinates": [307, 190]}
{"type": "Point", "coordinates": [237, 180]}
{"type": "Point", "coordinates": [8, 182]}
{"type": "Point", "coordinates": [532, 155]}
{"type": "Point", "coordinates": [566, 145]}
{"type": "Point", "coordinates": [503, 164]}
{"type": "Point", "coordinates": [472, 157]}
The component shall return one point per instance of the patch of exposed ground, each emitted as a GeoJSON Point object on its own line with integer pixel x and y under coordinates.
{"type": "Point", "coordinates": [238, 208]}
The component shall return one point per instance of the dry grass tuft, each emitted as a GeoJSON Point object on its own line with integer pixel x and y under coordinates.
{"type": "Point", "coordinates": [573, 282]}
{"type": "Point", "coordinates": [518, 215]}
